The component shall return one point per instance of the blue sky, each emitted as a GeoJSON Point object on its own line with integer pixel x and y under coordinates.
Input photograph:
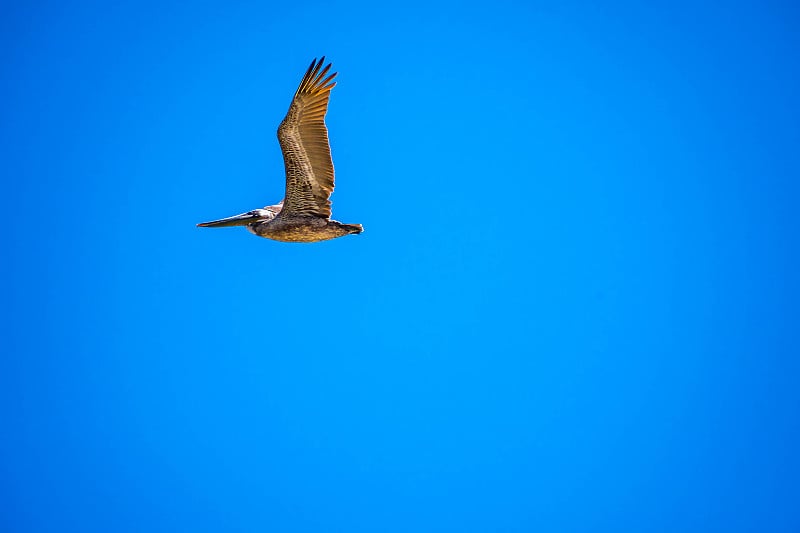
{"type": "Point", "coordinates": [574, 306]}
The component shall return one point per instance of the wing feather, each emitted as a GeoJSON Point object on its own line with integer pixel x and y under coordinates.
{"type": "Point", "coordinates": [304, 143]}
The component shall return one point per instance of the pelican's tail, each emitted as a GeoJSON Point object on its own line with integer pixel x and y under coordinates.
{"type": "Point", "coordinates": [353, 228]}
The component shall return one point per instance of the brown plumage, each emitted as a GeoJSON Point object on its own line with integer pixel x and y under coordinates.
{"type": "Point", "coordinates": [304, 214]}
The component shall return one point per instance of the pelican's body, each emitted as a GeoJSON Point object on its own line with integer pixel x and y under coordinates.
{"type": "Point", "coordinates": [302, 229]}
{"type": "Point", "coordinates": [304, 214]}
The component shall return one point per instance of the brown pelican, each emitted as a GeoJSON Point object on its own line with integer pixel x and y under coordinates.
{"type": "Point", "coordinates": [304, 214]}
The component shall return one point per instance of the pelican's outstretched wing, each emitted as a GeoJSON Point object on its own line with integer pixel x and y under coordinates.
{"type": "Point", "coordinates": [304, 143]}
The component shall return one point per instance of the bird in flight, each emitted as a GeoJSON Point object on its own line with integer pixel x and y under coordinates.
{"type": "Point", "coordinates": [304, 213]}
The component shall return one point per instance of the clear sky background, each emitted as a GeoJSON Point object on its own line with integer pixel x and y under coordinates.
{"type": "Point", "coordinates": [574, 306]}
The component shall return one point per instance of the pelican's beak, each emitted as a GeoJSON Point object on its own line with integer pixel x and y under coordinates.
{"type": "Point", "coordinates": [238, 220]}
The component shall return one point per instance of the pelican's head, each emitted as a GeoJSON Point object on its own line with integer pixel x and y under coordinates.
{"type": "Point", "coordinates": [248, 219]}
